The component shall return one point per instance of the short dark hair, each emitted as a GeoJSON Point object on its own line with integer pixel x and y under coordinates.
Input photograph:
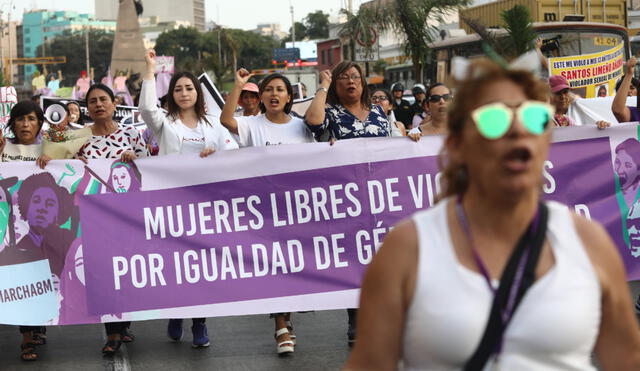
{"type": "Point", "coordinates": [287, 83]}
{"type": "Point", "coordinates": [45, 180]}
{"type": "Point", "coordinates": [22, 108]}
{"type": "Point", "coordinates": [172, 106]}
{"type": "Point", "coordinates": [386, 92]}
{"type": "Point", "coordinates": [635, 82]}
{"type": "Point", "coordinates": [632, 147]}
{"type": "Point", "coordinates": [332, 95]}
{"type": "Point", "coordinates": [433, 86]}
{"type": "Point", "coordinates": [102, 87]}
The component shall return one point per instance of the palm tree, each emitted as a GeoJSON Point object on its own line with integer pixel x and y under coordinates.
{"type": "Point", "coordinates": [416, 22]}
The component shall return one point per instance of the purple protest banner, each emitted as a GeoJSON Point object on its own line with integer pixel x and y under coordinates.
{"type": "Point", "coordinates": [263, 230]}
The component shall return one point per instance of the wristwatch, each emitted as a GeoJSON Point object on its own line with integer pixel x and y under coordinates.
{"type": "Point", "coordinates": [322, 89]}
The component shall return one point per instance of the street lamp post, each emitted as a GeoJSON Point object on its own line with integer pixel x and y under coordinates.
{"type": "Point", "coordinates": [86, 49]}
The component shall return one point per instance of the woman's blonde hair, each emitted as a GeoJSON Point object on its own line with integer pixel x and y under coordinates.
{"type": "Point", "coordinates": [481, 74]}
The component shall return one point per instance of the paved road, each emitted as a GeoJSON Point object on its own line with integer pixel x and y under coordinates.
{"type": "Point", "coordinates": [238, 343]}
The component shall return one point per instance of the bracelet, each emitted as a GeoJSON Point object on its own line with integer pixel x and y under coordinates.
{"type": "Point", "coordinates": [322, 89]}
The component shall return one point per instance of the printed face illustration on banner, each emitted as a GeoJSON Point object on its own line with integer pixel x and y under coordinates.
{"type": "Point", "coordinates": [43, 209]}
{"type": "Point", "coordinates": [125, 177]}
{"type": "Point", "coordinates": [633, 229]}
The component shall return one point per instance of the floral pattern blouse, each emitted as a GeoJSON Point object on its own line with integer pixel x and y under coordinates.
{"type": "Point", "coordinates": [125, 138]}
{"type": "Point", "coordinates": [339, 123]}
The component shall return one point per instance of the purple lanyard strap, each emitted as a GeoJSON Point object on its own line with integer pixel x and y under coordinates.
{"type": "Point", "coordinates": [507, 312]}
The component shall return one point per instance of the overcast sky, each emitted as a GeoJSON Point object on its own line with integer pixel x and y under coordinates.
{"type": "Point", "coordinates": [243, 14]}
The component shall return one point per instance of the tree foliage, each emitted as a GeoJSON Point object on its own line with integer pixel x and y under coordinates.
{"type": "Point", "coordinates": [519, 38]}
{"type": "Point", "coordinates": [72, 45]}
{"type": "Point", "coordinates": [415, 22]}
{"type": "Point", "coordinates": [317, 24]}
{"type": "Point", "coordinates": [221, 50]}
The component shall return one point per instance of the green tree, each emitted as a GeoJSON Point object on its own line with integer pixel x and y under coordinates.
{"type": "Point", "coordinates": [72, 45]}
{"type": "Point", "coordinates": [317, 24]}
{"type": "Point", "coordinates": [519, 39]}
{"type": "Point", "coordinates": [301, 33]}
{"type": "Point", "coordinates": [185, 45]}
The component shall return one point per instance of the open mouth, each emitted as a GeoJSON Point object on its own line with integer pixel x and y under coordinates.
{"type": "Point", "coordinates": [518, 159]}
{"type": "Point", "coordinates": [274, 102]}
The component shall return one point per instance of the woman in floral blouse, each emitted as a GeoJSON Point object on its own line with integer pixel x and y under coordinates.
{"type": "Point", "coordinates": [110, 140]}
{"type": "Point", "coordinates": [341, 108]}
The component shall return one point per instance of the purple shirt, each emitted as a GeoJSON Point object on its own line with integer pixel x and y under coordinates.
{"type": "Point", "coordinates": [635, 115]}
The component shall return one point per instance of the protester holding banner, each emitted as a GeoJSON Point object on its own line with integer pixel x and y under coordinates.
{"type": "Point", "coordinates": [25, 122]}
{"type": "Point", "coordinates": [349, 113]}
{"type": "Point", "coordinates": [275, 125]}
{"type": "Point", "coordinates": [341, 109]}
{"type": "Point", "coordinates": [562, 98]}
{"type": "Point", "coordinates": [185, 129]}
{"type": "Point", "coordinates": [384, 98]}
{"type": "Point", "coordinates": [110, 140]}
{"type": "Point", "coordinates": [621, 111]}
{"type": "Point", "coordinates": [562, 292]}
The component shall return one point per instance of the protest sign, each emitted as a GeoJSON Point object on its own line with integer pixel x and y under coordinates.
{"type": "Point", "coordinates": [591, 75]}
{"type": "Point", "coordinates": [165, 63]}
{"type": "Point", "coordinates": [182, 236]}
{"type": "Point", "coordinates": [121, 114]}
{"type": "Point", "coordinates": [8, 99]}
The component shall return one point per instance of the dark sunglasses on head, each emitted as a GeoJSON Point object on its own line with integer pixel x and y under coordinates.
{"type": "Point", "coordinates": [436, 98]}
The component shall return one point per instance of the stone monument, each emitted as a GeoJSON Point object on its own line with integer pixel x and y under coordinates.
{"type": "Point", "coordinates": [128, 48]}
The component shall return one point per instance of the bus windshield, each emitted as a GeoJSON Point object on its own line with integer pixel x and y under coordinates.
{"type": "Point", "coordinates": [560, 43]}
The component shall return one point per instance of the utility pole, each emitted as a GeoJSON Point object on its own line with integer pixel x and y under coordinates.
{"type": "Point", "coordinates": [293, 28]}
{"type": "Point", "coordinates": [86, 49]}
{"type": "Point", "coordinates": [219, 30]}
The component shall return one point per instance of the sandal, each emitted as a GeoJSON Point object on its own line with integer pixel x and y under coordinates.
{"type": "Point", "coordinates": [284, 347]}
{"type": "Point", "coordinates": [40, 336]}
{"type": "Point", "coordinates": [111, 347]}
{"type": "Point", "coordinates": [127, 336]}
{"type": "Point", "coordinates": [28, 352]}
{"type": "Point", "coordinates": [292, 334]}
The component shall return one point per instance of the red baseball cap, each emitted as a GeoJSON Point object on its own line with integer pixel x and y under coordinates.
{"type": "Point", "coordinates": [558, 83]}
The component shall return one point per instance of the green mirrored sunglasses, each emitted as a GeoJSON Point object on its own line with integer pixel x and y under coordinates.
{"type": "Point", "coordinates": [494, 120]}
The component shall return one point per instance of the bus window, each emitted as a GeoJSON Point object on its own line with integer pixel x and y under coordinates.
{"type": "Point", "coordinates": [563, 43]}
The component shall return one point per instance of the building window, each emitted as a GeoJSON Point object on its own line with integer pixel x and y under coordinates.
{"type": "Point", "coordinates": [27, 49]}
{"type": "Point", "coordinates": [330, 52]}
{"type": "Point", "coordinates": [27, 30]}
{"type": "Point", "coordinates": [27, 40]}
{"type": "Point", "coordinates": [323, 57]}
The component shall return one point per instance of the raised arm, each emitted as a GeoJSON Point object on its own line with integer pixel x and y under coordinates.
{"type": "Point", "coordinates": [315, 112]}
{"type": "Point", "coordinates": [230, 105]}
{"type": "Point", "coordinates": [543, 60]}
{"type": "Point", "coordinates": [386, 294]}
{"type": "Point", "coordinates": [619, 105]}
{"type": "Point", "coordinates": [148, 107]}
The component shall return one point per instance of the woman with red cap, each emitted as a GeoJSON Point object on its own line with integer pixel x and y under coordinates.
{"type": "Point", "coordinates": [249, 100]}
{"type": "Point", "coordinates": [561, 99]}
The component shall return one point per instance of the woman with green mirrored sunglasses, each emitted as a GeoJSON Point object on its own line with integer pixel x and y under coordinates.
{"type": "Point", "coordinates": [494, 120]}
{"type": "Point", "coordinates": [492, 276]}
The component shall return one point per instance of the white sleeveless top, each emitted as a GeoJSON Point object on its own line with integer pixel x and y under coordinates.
{"type": "Point", "coordinates": [554, 327]}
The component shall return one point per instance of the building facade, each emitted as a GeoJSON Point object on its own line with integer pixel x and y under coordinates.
{"type": "Point", "coordinates": [9, 48]}
{"type": "Point", "coordinates": [191, 11]}
{"type": "Point", "coordinates": [39, 26]}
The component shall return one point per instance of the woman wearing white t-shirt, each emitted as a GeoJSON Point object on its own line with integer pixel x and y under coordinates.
{"type": "Point", "coordinates": [185, 128]}
{"type": "Point", "coordinates": [273, 127]}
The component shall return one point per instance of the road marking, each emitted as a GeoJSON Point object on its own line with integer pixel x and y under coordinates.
{"type": "Point", "coordinates": [119, 361]}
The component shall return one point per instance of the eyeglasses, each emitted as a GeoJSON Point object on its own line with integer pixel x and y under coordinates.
{"type": "Point", "coordinates": [355, 78]}
{"type": "Point", "coordinates": [436, 98]}
{"type": "Point", "coordinates": [378, 98]}
{"type": "Point", "coordinates": [494, 120]}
